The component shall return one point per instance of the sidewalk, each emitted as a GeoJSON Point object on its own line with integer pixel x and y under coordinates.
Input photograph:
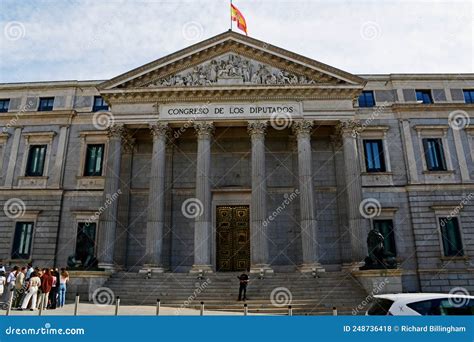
{"type": "Point", "coordinates": [89, 309]}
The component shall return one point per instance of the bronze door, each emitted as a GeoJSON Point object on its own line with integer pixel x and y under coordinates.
{"type": "Point", "coordinates": [233, 238]}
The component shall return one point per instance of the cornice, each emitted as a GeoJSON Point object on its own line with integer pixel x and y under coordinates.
{"type": "Point", "coordinates": [406, 107]}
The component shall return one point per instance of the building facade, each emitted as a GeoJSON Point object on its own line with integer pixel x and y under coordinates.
{"type": "Point", "coordinates": [234, 154]}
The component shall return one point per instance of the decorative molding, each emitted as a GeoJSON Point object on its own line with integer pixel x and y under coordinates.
{"type": "Point", "coordinates": [159, 129]}
{"type": "Point", "coordinates": [116, 131]}
{"type": "Point", "coordinates": [302, 128]}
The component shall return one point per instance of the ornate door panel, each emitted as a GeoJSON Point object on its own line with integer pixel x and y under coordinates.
{"type": "Point", "coordinates": [233, 238]}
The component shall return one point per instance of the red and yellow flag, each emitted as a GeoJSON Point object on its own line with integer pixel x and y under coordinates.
{"type": "Point", "coordinates": [237, 16]}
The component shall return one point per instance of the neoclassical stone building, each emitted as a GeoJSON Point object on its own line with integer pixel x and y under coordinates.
{"type": "Point", "coordinates": [234, 154]}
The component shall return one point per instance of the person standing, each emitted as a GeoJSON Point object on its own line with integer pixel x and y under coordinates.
{"type": "Point", "coordinates": [46, 285]}
{"type": "Point", "coordinates": [29, 271]}
{"type": "Point", "coordinates": [11, 279]}
{"type": "Point", "coordinates": [63, 280]}
{"type": "Point", "coordinates": [19, 282]}
{"type": "Point", "coordinates": [55, 289]}
{"type": "Point", "coordinates": [244, 280]}
{"type": "Point", "coordinates": [33, 286]}
{"type": "Point", "coordinates": [3, 282]}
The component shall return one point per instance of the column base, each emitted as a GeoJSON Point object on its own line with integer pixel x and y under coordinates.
{"type": "Point", "coordinates": [352, 266]}
{"type": "Point", "coordinates": [310, 268]}
{"type": "Point", "coordinates": [147, 268]}
{"type": "Point", "coordinates": [263, 269]}
{"type": "Point", "coordinates": [196, 269]}
{"type": "Point", "coordinates": [107, 267]}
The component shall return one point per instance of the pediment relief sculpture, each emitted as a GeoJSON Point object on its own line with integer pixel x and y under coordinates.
{"type": "Point", "coordinates": [231, 69]}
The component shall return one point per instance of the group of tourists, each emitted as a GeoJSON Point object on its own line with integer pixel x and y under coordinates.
{"type": "Point", "coordinates": [34, 288]}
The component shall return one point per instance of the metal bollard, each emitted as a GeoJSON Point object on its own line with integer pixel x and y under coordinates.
{"type": "Point", "coordinates": [290, 310]}
{"type": "Point", "coordinates": [10, 302]}
{"type": "Point", "coordinates": [202, 309]}
{"type": "Point", "coordinates": [334, 311]}
{"type": "Point", "coordinates": [158, 306]}
{"type": "Point", "coordinates": [246, 310]}
{"type": "Point", "coordinates": [117, 305]}
{"type": "Point", "coordinates": [40, 309]}
{"type": "Point", "coordinates": [76, 304]}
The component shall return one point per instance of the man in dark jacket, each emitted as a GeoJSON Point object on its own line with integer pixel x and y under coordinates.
{"type": "Point", "coordinates": [244, 280]}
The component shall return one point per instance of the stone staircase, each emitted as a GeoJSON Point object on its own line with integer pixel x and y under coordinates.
{"type": "Point", "coordinates": [219, 291]}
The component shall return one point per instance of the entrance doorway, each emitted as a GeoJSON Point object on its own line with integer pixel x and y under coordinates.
{"type": "Point", "coordinates": [233, 238]}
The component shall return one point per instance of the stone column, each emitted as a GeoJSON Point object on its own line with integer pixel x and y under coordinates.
{"type": "Point", "coordinates": [108, 218]}
{"type": "Point", "coordinates": [357, 224]}
{"type": "Point", "coordinates": [310, 247]}
{"type": "Point", "coordinates": [156, 201]}
{"type": "Point", "coordinates": [258, 206]}
{"type": "Point", "coordinates": [203, 216]}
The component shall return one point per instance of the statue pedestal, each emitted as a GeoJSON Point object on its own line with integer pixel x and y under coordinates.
{"type": "Point", "coordinates": [380, 281]}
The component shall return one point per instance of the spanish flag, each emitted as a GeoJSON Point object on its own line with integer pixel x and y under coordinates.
{"type": "Point", "coordinates": [237, 16]}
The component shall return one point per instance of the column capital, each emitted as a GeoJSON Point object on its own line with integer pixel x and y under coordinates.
{"type": "Point", "coordinates": [159, 129]}
{"type": "Point", "coordinates": [257, 127]}
{"type": "Point", "coordinates": [348, 127]}
{"type": "Point", "coordinates": [128, 142]}
{"type": "Point", "coordinates": [116, 131]}
{"type": "Point", "coordinates": [302, 128]}
{"type": "Point", "coordinates": [204, 129]}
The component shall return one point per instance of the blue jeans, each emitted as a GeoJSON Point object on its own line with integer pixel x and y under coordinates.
{"type": "Point", "coordinates": [62, 294]}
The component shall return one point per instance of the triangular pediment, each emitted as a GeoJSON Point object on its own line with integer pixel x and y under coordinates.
{"type": "Point", "coordinates": [231, 59]}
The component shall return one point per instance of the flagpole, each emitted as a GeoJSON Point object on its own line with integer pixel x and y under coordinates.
{"type": "Point", "coordinates": [231, 15]}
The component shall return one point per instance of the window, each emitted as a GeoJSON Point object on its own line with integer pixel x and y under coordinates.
{"type": "Point", "coordinates": [451, 235]}
{"type": "Point", "coordinates": [35, 163]}
{"type": "Point", "coordinates": [46, 104]}
{"type": "Point", "coordinates": [385, 227]}
{"type": "Point", "coordinates": [22, 240]}
{"type": "Point", "coordinates": [85, 242]}
{"type": "Point", "coordinates": [459, 306]}
{"type": "Point", "coordinates": [94, 160]}
{"type": "Point", "coordinates": [380, 307]}
{"type": "Point", "coordinates": [366, 99]}
{"type": "Point", "coordinates": [374, 157]}
{"type": "Point", "coordinates": [99, 104]}
{"type": "Point", "coordinates": [424, 96]}
{"type": "Point", "coordinates": [4, 105]}
{"type": "Point", "coordinates": [468, 95]}
{"type": "Point", "coordinates": [434, 154]}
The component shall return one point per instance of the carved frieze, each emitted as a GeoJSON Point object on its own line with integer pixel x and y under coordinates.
{"type": "Point", "coordinates": [231, 69]}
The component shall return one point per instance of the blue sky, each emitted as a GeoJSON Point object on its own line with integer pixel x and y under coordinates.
{"type": "Point", "coordinates": [73, 39]}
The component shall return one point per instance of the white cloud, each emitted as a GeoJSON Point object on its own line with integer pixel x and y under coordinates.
{"type": "Point", "coordinates": [101, 39]}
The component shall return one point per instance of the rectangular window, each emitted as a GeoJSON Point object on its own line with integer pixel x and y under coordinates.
{"type": "Point", "coordinates": [85, 242]}
{"type": "Point", "coordinates": [366, 99]}
{"type": "Point", "coordinates": [451, 235]}
{"type": "Point", "coordinates": [94, 160]}
{"type": "Point", "coordinates": [36, 158]}
{"type": "Point", "coordinates": [22, 240]}
{"type": "Point", "coordinates": [46, 104]}
{"type": "Point", "coordinates": [434, 154]}
{"type": "Point", "coordinates": [4, 104]}
{"type": "Point", "coordinates": [374, 157]}
{"type": "Point", "coordinates": [99, 104]}
{"type": "Point", "coordinates": [468, 95]}
{"type": "Point", "coordinates": [424, 96]}
{"type": "Point", "coordinates": [385, 227]}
